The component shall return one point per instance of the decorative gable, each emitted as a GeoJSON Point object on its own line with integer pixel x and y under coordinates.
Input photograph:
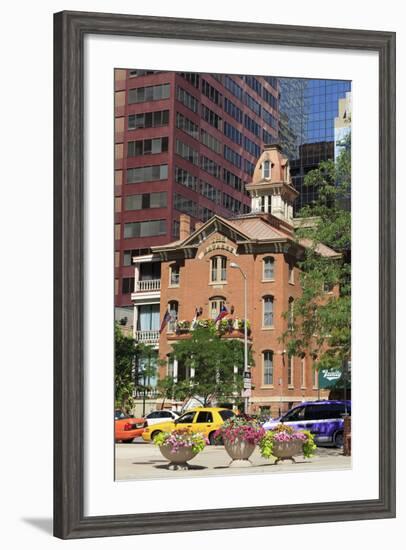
{"type": "Point", "coordinates": [216, 224]}
{"type": "Point", "coordinates": [217, 243]}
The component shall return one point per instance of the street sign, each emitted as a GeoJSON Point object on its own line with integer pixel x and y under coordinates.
{"type": "Point", "coordinates": [247, 374]}
{"type": "Point", "coordinates": [247, 383]}
{"type": "Point", "coordinates": [328, 378]}
{"type": "Point", "coordinates": [246, 393]}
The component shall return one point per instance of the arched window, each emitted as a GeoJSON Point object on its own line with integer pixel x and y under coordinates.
{"type": "Point", "coordinates": [215, 305]}
{"type": "Point", "coordinates": [267, 357]}
{"type": "Point", "coordinates": [266, 170]}
{"type": "Point", "coordinates": [267, 308]}
{"type": "Point", "coordinates": [268, 268]}
{"type": "Point", "coordinates": [173, 308]}
{"type": "Point", "coordinates": [218, 269]}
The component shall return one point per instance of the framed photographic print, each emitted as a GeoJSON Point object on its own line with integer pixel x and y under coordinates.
{"type": "Point", "coordinates": [224, 275]}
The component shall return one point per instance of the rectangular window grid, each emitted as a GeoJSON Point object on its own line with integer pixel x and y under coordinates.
{"type": "Point", "coordinates": [187, 126]}
{"type": "Point", "coordinates": [183, 177]}
{"type": "Point", "coordinates": [147, 146]}
{"type": "Point", "coordinates": [147, 173]}
{"type": "Point", "coordinates": [149, 93]}
{"type": "Point", "coordinates": [187, 99]}
{"type": "Point", "coordinates": [150, 228]}
{"type": "Point", "coordinates": [152, 119]}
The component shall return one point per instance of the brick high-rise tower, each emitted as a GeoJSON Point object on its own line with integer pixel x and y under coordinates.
{"type": "Point", "coordinates": [184, 143]}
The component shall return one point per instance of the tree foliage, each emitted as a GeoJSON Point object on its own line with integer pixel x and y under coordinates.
{"type": "Point", "coordinates": [321, 320]}
{"type": "Point", "coordinates": [213, 359]}
{"type": "Point", "coordinates": [134, 367]}
{"type": "Point", "coordinates": [124, 352]}
{"type": "Point", "coordinates": [146, 366]}
{"type": "Point", "coordinates": [168, 388]}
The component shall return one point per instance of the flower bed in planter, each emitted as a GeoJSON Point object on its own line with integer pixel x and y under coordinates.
{"type": "Point", "coordinates": [284, 443]}
{"type": "Point", "coordinates": [179, 446]}
{"type": "Point", "coordinates": [233, 326]}
{"type": "Point", "coordinates": [240, 436]}
{"type": "Point", "coordinates": [182, 327]}
{"type": "Point", "coordinates": [225, 327]}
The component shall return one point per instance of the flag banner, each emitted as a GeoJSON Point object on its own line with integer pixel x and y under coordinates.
{"type": "Point", "coordinates": [198, 312]}
{"type": "Point", "coordinates": [223, 313]}
{"type": "Point", "coordinates": [165, 321]}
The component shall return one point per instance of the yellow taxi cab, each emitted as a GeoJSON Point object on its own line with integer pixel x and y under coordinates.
{"type": "Point", "coordinates": [204, 420]}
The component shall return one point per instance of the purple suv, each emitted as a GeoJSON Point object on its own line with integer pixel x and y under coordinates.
{"type": "Point", "coordinates": [324, 419]}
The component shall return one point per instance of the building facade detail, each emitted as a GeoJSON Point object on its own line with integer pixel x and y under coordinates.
{"type": "Point", "coordinates": [263, 244]}
{"type": "Point", "coordinates": [271, 189]}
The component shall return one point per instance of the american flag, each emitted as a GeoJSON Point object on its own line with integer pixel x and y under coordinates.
{"type": "Point", "coordinates": [223, 313]}
{"type": "Point", "coordinates": [165, 320]}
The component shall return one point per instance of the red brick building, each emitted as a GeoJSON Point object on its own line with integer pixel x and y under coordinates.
{"type": "Point", "coordinates": [184, 143]}
{"type": "Point", "coordinates": [196, 273]}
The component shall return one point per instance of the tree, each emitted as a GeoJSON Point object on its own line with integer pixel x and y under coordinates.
{"type": "Point", "coordinates": [168, 388]}
{"type": "Point", "coordinates": [124, 352]}
{"type": "Point", "coordinates": [321, 320]}
{"type": "Point", "coordinates": [145, 370]}
{"type": "Point", "coordinates": [146, 365]}
{"type": "Point", "coordinates": [135, 365]}
{"type": "Point", "coordinates": [213, 360]}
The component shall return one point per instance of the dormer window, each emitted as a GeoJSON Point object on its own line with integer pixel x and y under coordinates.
{"type": "Point", "coordinates": [266, 170]}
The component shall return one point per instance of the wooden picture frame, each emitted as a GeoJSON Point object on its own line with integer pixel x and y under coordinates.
{"type": "Point", "coordinates": [70, 30]}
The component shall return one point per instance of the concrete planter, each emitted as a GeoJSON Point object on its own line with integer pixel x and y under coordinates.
{"type": "Point", "coordinates": [178, 460]}
{"type": "Point", "coordinates": [240, 452]}
{"type": "Point", "coordinates": [286, 450]}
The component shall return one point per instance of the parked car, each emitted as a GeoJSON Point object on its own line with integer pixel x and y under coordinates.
{"type": "Point", "coordinates": [205, 420]}
{"type": "Point", "coordinates": [157, 417]}
{"type": "Point", "coordinates": [324, 419]}
{"type": "Point", "coordinates": [127, 428]}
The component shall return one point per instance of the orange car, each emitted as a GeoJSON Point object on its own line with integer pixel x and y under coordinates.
{"type": "Point", "coordinates": [127, 428]}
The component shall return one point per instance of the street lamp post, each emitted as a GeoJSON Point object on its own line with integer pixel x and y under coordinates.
{"type": "Point", "coordinates": [136, 376]}
{"type": "Point", "coordinates": [143, 395]}
{"type": "Point", "coordinates": [246, 372]}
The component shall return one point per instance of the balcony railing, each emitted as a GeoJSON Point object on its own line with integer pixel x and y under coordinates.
{"type": "Point", "coordinates": [149, 285]}
{"type": "Point", "coordinates": [233, 328]}
{"type": "Point", "coordinates": [147, 336]}
{"type": "Point", "coordinates": [149, 393]}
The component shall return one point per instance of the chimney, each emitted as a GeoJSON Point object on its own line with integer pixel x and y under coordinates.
{"type": "Point", "coordinates": [184, 227]}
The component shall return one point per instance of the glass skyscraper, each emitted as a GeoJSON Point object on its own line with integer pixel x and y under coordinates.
{"type": "Point", "coordinates": [308, 109]}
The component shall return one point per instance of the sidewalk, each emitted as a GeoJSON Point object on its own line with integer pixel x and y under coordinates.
{"type": "Point", "coordinates": [144, 461]}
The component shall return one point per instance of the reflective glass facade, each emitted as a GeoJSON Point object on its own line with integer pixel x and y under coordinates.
{"type": "Point", "coordinates": [306, 129]}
